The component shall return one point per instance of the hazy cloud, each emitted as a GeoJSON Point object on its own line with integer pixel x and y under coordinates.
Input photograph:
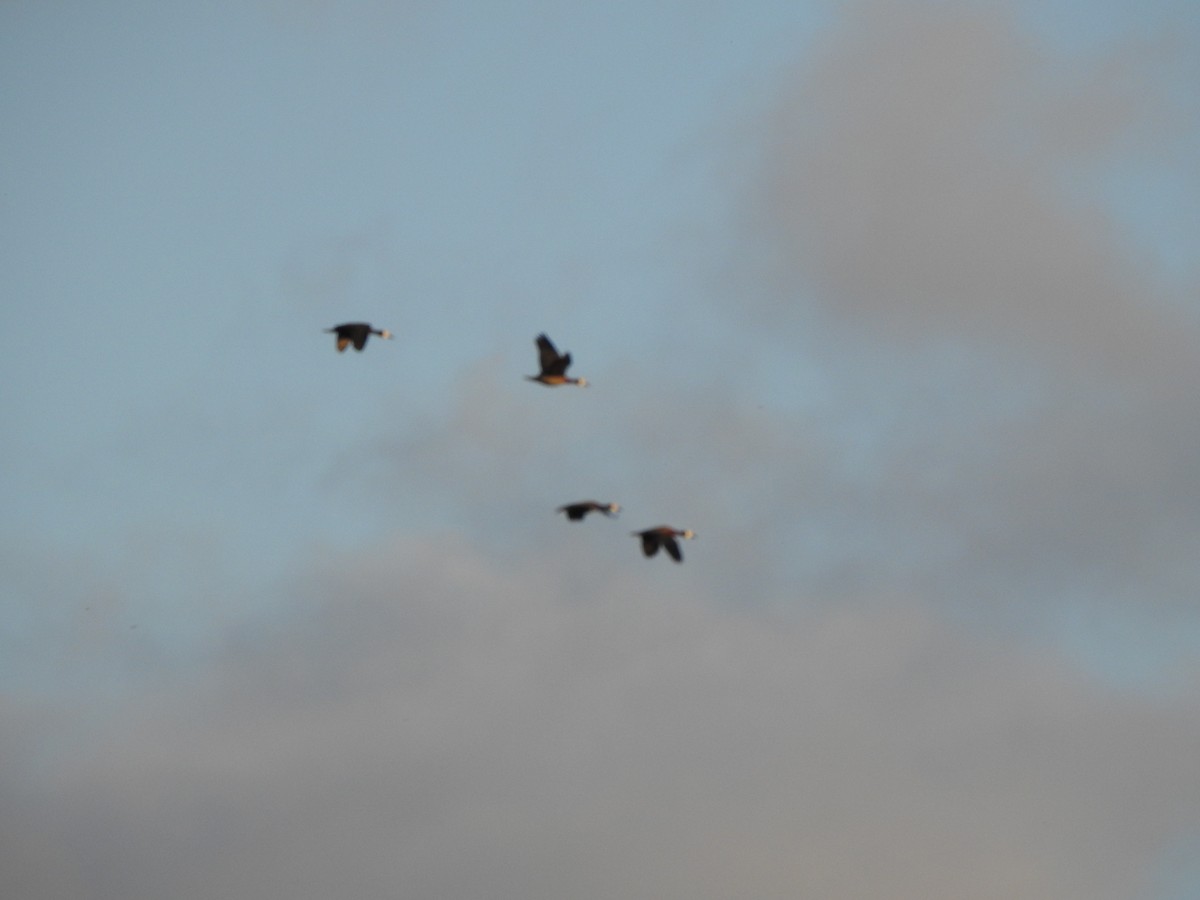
{"type": "Point", "coordinates": [917, 182]}
{"type": "Point", "coordinates": [433, 722]}
{"type": "Point", "coordinates": [1022, 370]}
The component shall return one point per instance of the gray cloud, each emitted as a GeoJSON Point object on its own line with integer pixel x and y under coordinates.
{"type": "Point", "coordinates": [917, 186]}
{"type": "Point", "coordinates": [1019, 370]}
{"type": "Point", "coordinates": [434, 722]}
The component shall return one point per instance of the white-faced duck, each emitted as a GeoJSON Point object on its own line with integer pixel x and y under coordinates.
{"type": "Point", "coordinates": [355, 333]}
{"type": "Point", "coordinates": [554, 365]}
{"type": "Point", "coordinates": [576, 511]}
{"type": "Point", "coordinates": [664, 536]}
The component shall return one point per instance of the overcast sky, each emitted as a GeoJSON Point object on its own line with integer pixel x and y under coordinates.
{"type": "Point", "coordinates": [896, 304]}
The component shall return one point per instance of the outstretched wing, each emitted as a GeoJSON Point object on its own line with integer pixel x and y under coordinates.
{"type": "Point", "coordinates": [672, 546]}
{"type": "Point", "coordinates": [348, 333]}
{"type": "Point", "coordinates": [549, 359]}
{"type": "Point", "coordinates": [650, 543]}
{"type": "Point", "coordinates": [574, 511]}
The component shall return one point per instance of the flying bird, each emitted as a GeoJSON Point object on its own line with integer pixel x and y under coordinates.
{"type": "Point", "coordinates": [576, 511]}
{"type": "Point", "coordinates": [554, 365]}
{"type": "Point", "coordinates": [664, 536]}
{"type": "Point", "coordinates": [355, 333]}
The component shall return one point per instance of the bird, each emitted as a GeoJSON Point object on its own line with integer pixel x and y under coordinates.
{"type": "Point", "coordinates": [355, 333]}
{"type": "Point", "coordinates": [554, 365]}
{"type": "Point", "coordinates": [576, 511]}
{"type": "Point", "coordinates": [663, 536]}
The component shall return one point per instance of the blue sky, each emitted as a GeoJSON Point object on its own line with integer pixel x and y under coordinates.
{"type": "Point", "coordinates": [893, 303]}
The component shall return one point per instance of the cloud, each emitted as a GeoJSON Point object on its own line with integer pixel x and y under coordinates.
{"type": "Point", "coordinates": [1009, 372]}
{"type": "Point", "coordinates": [435, 722]}
{"type": "Point", "coordinates": [916, 185]}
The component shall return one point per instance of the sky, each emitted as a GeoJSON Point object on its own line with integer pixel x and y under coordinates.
{"type": "Point", "coordinates": [896, 304]}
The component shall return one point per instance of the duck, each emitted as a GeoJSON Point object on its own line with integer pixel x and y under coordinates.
{"type": "Point", "coordinates": [355, 333]}
{"type": "Point", "coordinates": [664, 536]}
{"type": "Point", "coordinates": [576, 511]}
{"type": "Point", "coordinates": [554, 366]}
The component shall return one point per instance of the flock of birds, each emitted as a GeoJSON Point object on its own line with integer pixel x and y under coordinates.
{"type": "Point", "coordinates": [553, 366]}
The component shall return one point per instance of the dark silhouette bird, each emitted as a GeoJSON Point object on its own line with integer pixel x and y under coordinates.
{"type": "Point", "coordinates": [664, 536]}
{"type": "Point", "coordinates": [576, 511]}
{"type": "Point", "coordinates": [355, 333]}
{"type": "Point", "coordinates": [554, 365]}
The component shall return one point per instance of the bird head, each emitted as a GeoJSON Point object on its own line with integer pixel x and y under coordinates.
{"type": "Point", "coordinates": [582, 382]}
{"type": "Point", "coordinates": [687, 533]}
{"type": "Point", "coordinates": [385, 334]}
{"type": "Point", "coordinates": [614, 508]}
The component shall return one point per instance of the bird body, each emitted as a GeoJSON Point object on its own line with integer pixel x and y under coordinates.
{"type": "Point", "coordinates": [576, 511]}
{"type": "Point", "coordinates": [664, 536]}
{"type": "Point", "coordinates": [356, 334]}
{"type": "Point", "coordinates": [553, 366]}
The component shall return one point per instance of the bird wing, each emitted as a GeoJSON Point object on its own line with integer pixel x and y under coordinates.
{"type": "Point", "coordinates": [672, 546]}
{"type": "Point", "coordinates": [560, 367]}
{"type": "Point", "coordinates": [548, 357]}
{"type": "Point", "coordinates": [650, 543]}
{"type": "Point", "coordinates": [348, 333]}
{"type": "Point", "coordinates": [574, 511]}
